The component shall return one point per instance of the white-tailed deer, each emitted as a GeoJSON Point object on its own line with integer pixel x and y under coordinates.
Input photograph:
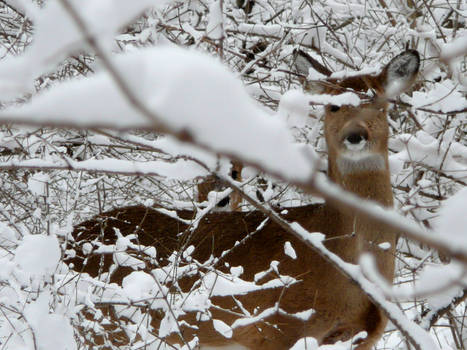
{"type": "Point", "coordinates": [213, 183]}
{"type": "Point", "coordinates": [357, 140]}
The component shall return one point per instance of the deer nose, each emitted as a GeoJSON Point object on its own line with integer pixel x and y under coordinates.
{"type": "Point", "coordinates": [356, 136]}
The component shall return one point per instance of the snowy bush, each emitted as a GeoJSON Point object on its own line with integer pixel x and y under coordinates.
{"type": "Point", "coordinates": [114, 103]}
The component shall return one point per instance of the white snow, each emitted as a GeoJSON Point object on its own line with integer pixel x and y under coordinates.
{"type": "Point", "coordinates": [51, 330]}
{"type": "Point", "coordinates": [347, 98]}
{"type": "Point", "coordinates": [213, 107]}
{"type": "Point", "coordinates": [288, 250]}
{"type": "Point", "coordinates": [270, 30]}
{"type": "Point", "coordinates": [424, 148]}
{"type": "Point", "coordinates": [194, 95]}
{"type": "Point", "coordinates": [37, 183]}
{"type": "Point", "coordinates": [441, 283]}
{"type": "Point", "coordinates": [222, 328]}
{"type": "Point", "coordinates": [215, 26]}
{"type": "Point", "coordinates": [8, 237]}
{"type": "Point", "coordinates": [384, 245]}
{"type": "Point", "coordinates": [442, 97]}
{"type": "Point", "coordinates": [306, 343]}
{"type": "Point", "coordinates": [294, 106]}
{"type": "Point", "coordinates": [50, 45]}
{"type": "Point", "coordinates": [179, 170]}
{"type": "Point", "coordinates": [38, 254]}
{"type": "Point", "coordinates": [309, 343]}
{"type": "Point", "coordinates": [456, 47]}
{"type": "Point", "coordinates": [139, 285]}
{"type": "Point", "coordinates": [219, 285]}
{"type": "Point", "coordinates": [451, 224]}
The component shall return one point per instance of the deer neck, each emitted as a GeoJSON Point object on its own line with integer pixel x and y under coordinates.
{"type": "Point", "coordinates": [373, 185]}
{"type": "Point", "coordinates": [370, 179]}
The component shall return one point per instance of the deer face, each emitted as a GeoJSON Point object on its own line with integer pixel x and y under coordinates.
{"type": "Point", "coordinates": [357, 136]}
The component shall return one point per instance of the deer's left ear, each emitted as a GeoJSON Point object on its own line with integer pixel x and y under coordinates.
{"type": "Point", "coordinates": [400, 73]}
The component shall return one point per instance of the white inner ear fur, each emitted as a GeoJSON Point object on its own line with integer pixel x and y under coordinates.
{"type": "Point", "coordinates": [401, 70]}
{"type": "Point", "coordinates": [403, 67]}
{"type": "Point", "coordinates": [302, 65]}
{"type": "Point", "coordinates": [356, 162]}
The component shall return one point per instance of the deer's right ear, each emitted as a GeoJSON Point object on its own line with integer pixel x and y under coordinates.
{"type": "Point", "coordinates": [303, 62]}
{"type": "Point", "coordinates": [401, 72]}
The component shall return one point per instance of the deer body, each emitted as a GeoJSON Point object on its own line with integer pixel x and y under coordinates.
{"type": "Point", "coordinates": [358, 162]}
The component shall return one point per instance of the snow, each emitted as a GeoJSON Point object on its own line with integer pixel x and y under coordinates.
{"type": "Point", "coordinates": [37, 183]}
{"type": "Point", "coordinates": [215, 27]}
{"type": "Point", "coordinates": [222, 328]}
{"type": "Point", "coordinates": [176, 148]}
{"type": "Point", "coordinates": [424, 148]}
{"type": "Point", "coordinates": [193, 95]}
{"type": "Point", "coordinates": [219, 285]}
{"type": "Point", "coordinates": [451, 224]}
{"type": "Point", "coordinates": [50, 45]}
{"type": "Point", "coordinates": [289, 251]}
{"type": "Point", "coordinates": [309, 343]}
{"type": "Point", "coordinates": [442, 97]}
{"type": "Point", "coordinates": [242, 322]}
{"type": "Point", "coordinates": [38, 255]}
{"type": "Point", "coordinates": [125, 259]}
{"type": "Point", "coordinates": [179, 170]}
{"type": "Point", "coordinates": [310, 36]}
{"type": "Point", "coordinates": [306, 343]}
{"type": "Point", "coordinates": [347, 98]}
{"type": "Point", "coordinates": [228, 122]}
{"type": "Point", "coordinates": [236, 271]}
{"type": "Point", "coordinates": [8, 237]}
{"type": "Point", "coordinates": [456, 47]}
{"type": "Point", "coordinates": [269, 30]}
{"type": "Point", "coordinates": [441, 283]}
{"type": "Point", "coordinates": [294, 106]}
{"type": "Point", "coordinates": [139, 285]}
{"type": "Point", "coordinates": [347, 74]}
{"type": "Point", "coordinates": [384, 245]}
{"type": "Point", "coordinates": [47, 326]}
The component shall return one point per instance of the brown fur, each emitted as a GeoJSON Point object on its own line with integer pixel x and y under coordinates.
{"type": "Point", "coordinates": [212, 183]}
{"type": "Point", "coordinates": [341, 309]}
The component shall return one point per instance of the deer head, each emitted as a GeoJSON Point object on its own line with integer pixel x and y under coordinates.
{"type": "Point", "coordinates": [357, 133]}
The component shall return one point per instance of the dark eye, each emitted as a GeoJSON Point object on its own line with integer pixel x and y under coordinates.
{"type": "Point", "coordinates": [334, 108]}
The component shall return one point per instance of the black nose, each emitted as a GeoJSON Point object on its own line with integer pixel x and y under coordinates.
{"type": "Point", "coordinates": [357, 136]}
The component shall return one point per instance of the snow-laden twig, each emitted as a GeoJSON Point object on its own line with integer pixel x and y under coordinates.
{"type": "Point", "coordinates": [120, 82]}
{"type": "Point", "coordinates": [181, 169]}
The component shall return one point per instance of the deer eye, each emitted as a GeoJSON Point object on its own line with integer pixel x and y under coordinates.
{"type": "Point", "coordinates": [334, 108]}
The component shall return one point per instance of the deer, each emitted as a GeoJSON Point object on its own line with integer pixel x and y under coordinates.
{"type": "Point", "coordinates": [212, 183]}
{"type": "Point", "coordinates": [357, 147]}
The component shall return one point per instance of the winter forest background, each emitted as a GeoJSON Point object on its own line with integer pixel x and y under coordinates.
{"type": "Point", "coordinates": [111, 103]}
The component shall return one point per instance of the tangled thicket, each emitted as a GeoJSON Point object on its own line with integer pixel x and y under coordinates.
{"type": "Point", "coordinates": [45, 191]}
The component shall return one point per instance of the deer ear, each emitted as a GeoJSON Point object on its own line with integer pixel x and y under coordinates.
{"type": "Point", "coordinates": [303, 62]}
{"type": "Point", "coordinates": [401, 72]}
